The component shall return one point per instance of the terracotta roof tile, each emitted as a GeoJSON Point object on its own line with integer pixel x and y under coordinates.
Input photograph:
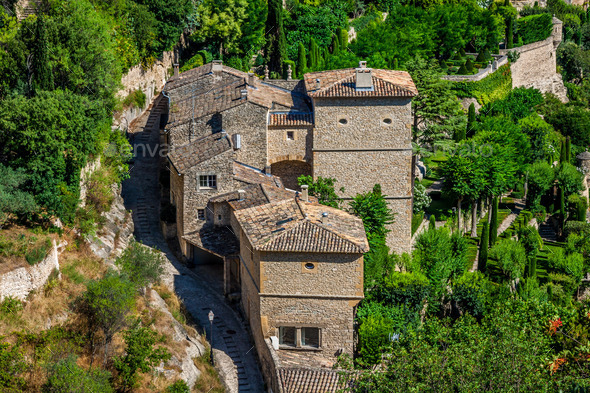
{"type": "Point", "coordinates": [189, 155]}
{"type": "Point", "coordinates": [290, 119]}
{"type": "Point", "coordinates": [220, 241]}
{"type": "Point", "coordinates": [295, 226]}
{"type": "Point", "coordinates": [250, 175]}
{"type": "Point", "coordinates": [304, 380]}
{"type": "Point", "coordinates": [341, 83]}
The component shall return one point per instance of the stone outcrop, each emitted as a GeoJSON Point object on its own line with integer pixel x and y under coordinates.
{"type": "Point", "coordinates": [19, 282]}
{"type": "Point", "coordinates": [116, 232]}
{"type": "Point", "coordinates": [182, 360]}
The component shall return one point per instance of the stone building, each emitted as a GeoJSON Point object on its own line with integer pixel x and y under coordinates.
{"type": "Point", "coordinates": [353, 125]}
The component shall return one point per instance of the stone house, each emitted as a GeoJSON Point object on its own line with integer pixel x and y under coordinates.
{"type": "Point", "coordinates": [353, 125]}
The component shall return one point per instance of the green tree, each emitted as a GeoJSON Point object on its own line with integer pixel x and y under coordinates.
{"type": "Point", "coordinates": [221, 24]}
{"type": "Point", "coordinates": [140, 355]}
{"type": "Point", "coordinates": [494, 222]}
{"type": "Point", "coordinates": [471, 122]}
{"type": "Point", "coordinates": [483, 248]}
{"type": "Point", "coordinates": [301, 61]}
{"type": "Point", "coordinates": [569, 179]}
{"type": "Point", "coordinates": [322, 188]}
{"type": "Point", "coordinates": [141, 265]}
{"type": "Point", "coordinates": [540, 179]}
{"type": "Point", "coordinates": [65, 376]}
{"type": "Point", "coordinates": [107, 303]}
{"type": "Point", "coordinates": [543, 138]}
{"type": "Point", "coordinates": [276, 45]}
{"type": "Point", "coordinates": [511, 258]}
{"type": "Point", "coordinates": [41, 67]}
{"type": "Point", "coordinates": [13, 198]}
{"type": "Point", "coordinates": [432, 222]}
{"type": "Point", "coordinates": [314, 53]}
{"type": "Point", "coordinates": [372, 208]}
{"type": "Point", "coordinates": [343, 37]}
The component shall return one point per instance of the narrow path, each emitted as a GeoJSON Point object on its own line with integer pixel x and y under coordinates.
{"type": "Point", "coordinates": [235, 357]}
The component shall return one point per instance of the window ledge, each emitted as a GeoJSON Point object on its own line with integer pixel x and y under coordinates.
{"type": "Point", "coordinates": [310, 349]}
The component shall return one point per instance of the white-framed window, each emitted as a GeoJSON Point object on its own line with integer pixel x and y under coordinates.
{"type": "Point", "coordinates": [207, 181]}
{"type": "Point", "coordinates": [201, 214]}
{"type": "Point", "coordinates": [299, 337]}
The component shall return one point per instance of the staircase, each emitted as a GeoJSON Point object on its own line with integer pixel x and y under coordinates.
{"type": "Point", "coordinates": [24, 8]}
{"type": "Point", "coordinates": [547, 232]}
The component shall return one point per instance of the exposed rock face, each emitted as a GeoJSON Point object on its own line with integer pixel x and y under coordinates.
{"type": "Point", "coordinates": [19, 282]}
{"type": "Point", "coordinates": [116, 233]}
{"type": "Point", "coordinates": [193, 347]}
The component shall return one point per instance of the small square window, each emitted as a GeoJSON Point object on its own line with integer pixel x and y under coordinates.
{"type": "Point", "coordinates": [290, 135]}
{"type": "Point", "coordinates": [287, 336]}
{"type": "Point", "coordinates": [310, 337]}
{"type": "Point", "coordinates": [208, 181]}
{"type": "Point", "coordinates": [201, 214]}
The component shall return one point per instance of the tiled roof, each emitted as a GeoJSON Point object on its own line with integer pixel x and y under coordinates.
{"type": "Point", "coordinates": [213, 92]}
{"type": "Point", "coordinates": [254, 195]}
{"type": "Point", "coordinates": [295, 226]}
{"type": "Point", "coordinates": [191, 154]}
{"type": "Point", "coordinates": [290, 119]}
{"type": "Point", "coordinates": [341, 83]}
{"type": "Point", "coordinates": [220, 241]}
{"type": "Point", "coordinates": [303, 380]}
{"type": "Point", "coordinates": [250, 175]}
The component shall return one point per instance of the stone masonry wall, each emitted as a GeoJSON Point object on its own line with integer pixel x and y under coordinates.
{"type": "Point", "coordinates": [334, 274]}
{"type": "Point", "coordinates": [20, 282]}
{"type": "Point", "coordinates": [282, 149]}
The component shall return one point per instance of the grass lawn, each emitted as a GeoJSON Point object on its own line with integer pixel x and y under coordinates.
{"type": "Point", "coordinates": [427, 182]}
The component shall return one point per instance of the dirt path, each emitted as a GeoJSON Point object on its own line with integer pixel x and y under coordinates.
{"type": "Point", "coordinates": [234, 354]}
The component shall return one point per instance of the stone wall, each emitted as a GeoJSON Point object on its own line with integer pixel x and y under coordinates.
{"type": "Point", "coordinates": [520, 4]}
{"type": "Point", "coordinates": [498, 62]}
{"type": "Point", "coordinates": [537, 65]}
{"type": "Point", "coordinates": [280, 148]}
{"type": "Point", "coordinates": [19, 282]}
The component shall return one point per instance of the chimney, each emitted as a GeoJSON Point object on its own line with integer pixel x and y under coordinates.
{"type": "Point", "coordinates": [363, 77]}
{"type": "Point", "coordinates": [241, 195]}
{"type": "Point", "coordinates": [244, 93]}
{"type": "Point", "coordinates": [305, 193]}
{"type": "Point", "coordinates": [318, 84]}
{"type": "Point", "coordinates": [176, 72]}
{"type": "Point", "coordinates": [251, 78]}
{"type": "Point", "coordinates": [217, 66]}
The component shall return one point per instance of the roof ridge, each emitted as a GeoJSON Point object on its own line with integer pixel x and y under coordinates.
{"type": "Point", "coordinates": [337, 234]}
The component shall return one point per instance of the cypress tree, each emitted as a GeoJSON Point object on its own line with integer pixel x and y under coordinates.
{"type": "Point", "coordinates": [276, 45]}
{"type": "Point", "coordinates": [395, 64]}
{"type": "Point", "coordinates": [343, 39]}
{"type": "Point", "coordinates": [509, 33]}
{"type": "Point", "coordinates": [432, 222]}
{"type": "Point", "coordinates": [568, 149]}
{"type": "Point", "coordinates": [471, 119]}
{"type": "Point", "coordinates": [313, 54]}
{"type": "Point", "coordinates": [301, 61]}
{"type": "Point", "coordinates": [562, 205]}
{"type": "Point", "coordinates": [532, 267]}
{"type": "Point", "coordinates": [469, 64]}
{"type": "Point", "coordinates": [483, 248]}
{"type": "Point", "coordinates": [562, 153]}
{"type": "Point", "coordinates": [42, 75]}
{"type": "Point", "coordinates": [462, 70]}
{"type": "Point", "coordinates": [494, 223]}
{"type": "Point", "coordinates": [335, 45]}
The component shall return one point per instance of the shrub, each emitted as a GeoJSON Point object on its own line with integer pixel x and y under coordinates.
{"type": "Point", "coordinates": [194, 62]}
{"type": "Point", "coordinates": [12, 364]}
{"type": "Point", "coordinates": [495, 86]}
{"type": "Point", "coordinates": [11, 305]}
{"type": "Point", "coordinates": [417, 219]}
{"type": "Point", "coordinates": [578, 207]}
{"type": "Point", "coordinates": [140, 355]}
{"type": "Point", "coordinates": [511, 257]}
{"type": "Point", "coordinates": [66, 376]}
{"type": "Point", "coordinates": [462, 70]}
{"type": "Point", "coordinates": [178, 387]}
{"type": "Point", "coordinates": [569, 284]}
{"type": "Point", "coordinates": [141, 265]}
{"type": "Point", "coordinates": [37, 254]}
{"type": "Point", "coordinates": [136, 98]}
{"type": "Point", "coordinates": [535, 28]}
{"type": "Point", "coordinates": [471, 293]}
{"type": "Point", "coordinates": [469, 65]}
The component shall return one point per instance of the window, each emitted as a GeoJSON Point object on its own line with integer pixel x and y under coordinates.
{"type": "Point", "coordinates": [287, 336]}
{"type": "Point", "coordinates": [387, 121]}
{"type": "Point", "coordinates": [303, 337]}
{"type": "Point", "coordinates": [310, 337]}
{"type": "Point", "coordinates": [290, 135]}
{"type": "Point", "coordinates": [309, 266]}
{"type": "Point", "coordinates": [343, 121]}
{"type": "Point", "coordinates": [208, 181]}
{"type": "Point", "coordinates": [201, 214]}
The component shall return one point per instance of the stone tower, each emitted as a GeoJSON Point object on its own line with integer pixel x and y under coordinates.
{"type": "Point", "coordinates": [362, 137]}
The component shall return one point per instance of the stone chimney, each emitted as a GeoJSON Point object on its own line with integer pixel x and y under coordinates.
{"type": "Point", "coordinates": [217, 66]}
{"type": "Point", "coordinates": [251, 78]}
{"type": "Point", "coordinates": [318, 84]}
{"type": "Point", "coordinates": [305, 193]}
{"type": "Point", "coordinates": [363, 77]}
{"type": "Point", "coordinates": [176, 70]}
{"type": "Point", "coordinates": [244, 93]}
{"type": "Point", "coordinates": [241, 195]}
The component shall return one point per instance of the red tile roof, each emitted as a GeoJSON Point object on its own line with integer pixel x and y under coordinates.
{"type": "Point", "coordinates": [341, 83]}
{"type": "Point", "coordinates": [290, 119]}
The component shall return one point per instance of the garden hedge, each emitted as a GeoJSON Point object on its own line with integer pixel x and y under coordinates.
{"type": "Point", "coordinates": [495, 86]}
{"type": "Point", "coordinates": [535, 28]}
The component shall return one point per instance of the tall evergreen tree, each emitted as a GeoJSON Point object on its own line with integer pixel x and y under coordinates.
{"type": "Point", "coordinates": [42, 77]}
{"type": "Point", "coordinates": [562, 156]}
{"type": "Point", "coordinates": [568, 149]}
{"type": "Point", "coordinates": [313, 54]}
{"type": "Point", "coordinates": [494, 222]}
{"type": "Point", "coordinates": [276, 44]}
{"type": "Point", "coordinates": [509, 28]}
{"type": "Point", "coordinates": [301, 61]}
{"type": "Point", "coordinates": [343, 39]}
{"type": "Point", "coordinates": [335, 45]}
{"type": "Point", "coordinates": [432, 222]}
{"type": "Point", "coordinates": [562, 206]}
{"type": "Point", "coordinates": [483, 248]}
{"type": "Point", "coordinates": [471, 119]}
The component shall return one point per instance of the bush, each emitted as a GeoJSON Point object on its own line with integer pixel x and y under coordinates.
{"type": "Point", "coordinates": [578, 207]}
{"type": "Point", "coordinates": [495, 86]}
{"type": "Point", "coordinates": [535, 28]}
{"type": "Point", "coordinates": [463, 70]}
{"type": "Point", "coordinates": [511, 257]}
{"type": "Point", "coordinates": [12, 364]}
{"type": "Point", "coordinates": [136, 98]}
{"type": "Point", "coordinates": [178, 387]}
{"type": "Point", "coordinates": [65, 376]}
{"type": "Point", "coordinates": [141, 265]}
{"type": "Point", "coordinates": [471, 293]}
{"type": "Point", "coordinates": [194, 62]}
{"type": "Point", "coordinates": [38, 253]}
{"type": "Point", "coordinates": [571, 265]}
{"type": "Point", "coordinates": [417, 219]}
{"type": "Point", "coordinates": [11, 305]}
{"type": "Point", "coordinates": [469, 65]}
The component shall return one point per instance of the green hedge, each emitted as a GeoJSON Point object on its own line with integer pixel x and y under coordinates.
{"type": "Point", "coordinates": [416, 221]}
{"type": "Point", "coordinates": [495, 86]}
{"type": "Point", "coordinates": [535, 28]}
